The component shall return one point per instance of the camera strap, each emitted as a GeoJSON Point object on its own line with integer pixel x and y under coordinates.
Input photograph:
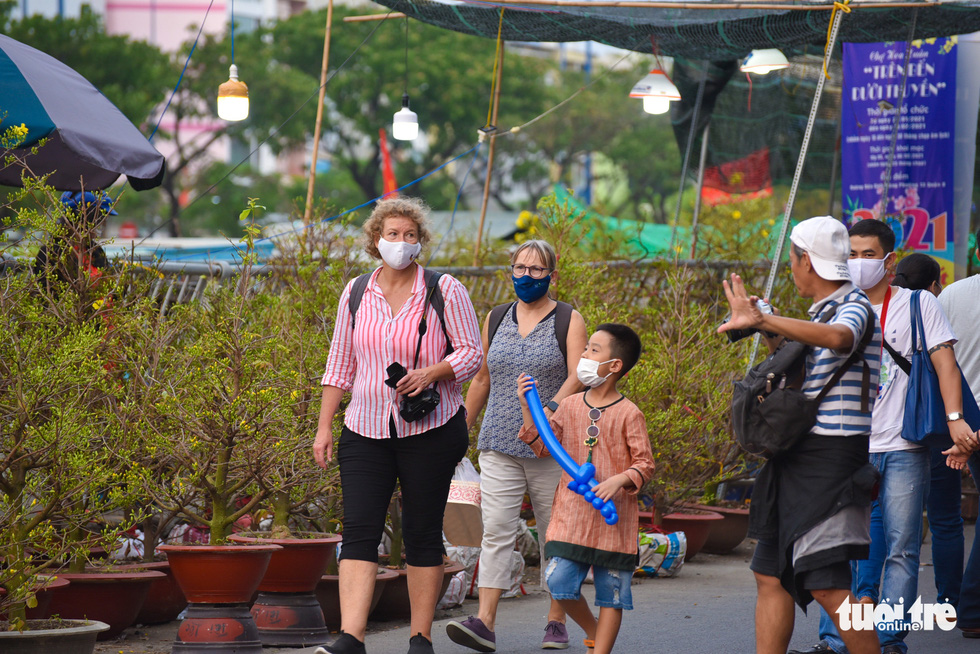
{"type": "Point", "coordinates": [422, 322]}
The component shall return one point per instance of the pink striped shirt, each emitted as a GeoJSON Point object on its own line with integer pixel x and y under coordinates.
{"type": "Point", "coordinates": [358, 358]}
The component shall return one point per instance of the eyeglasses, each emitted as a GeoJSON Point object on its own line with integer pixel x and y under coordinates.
{"type": "Point", "coordinates": [537, 272]}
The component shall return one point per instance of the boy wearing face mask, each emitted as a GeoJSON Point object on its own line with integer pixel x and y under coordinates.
{"type": "Point", "coordinates": [896, 516]}
{"type": "Point", "coordinates": [604, 427]}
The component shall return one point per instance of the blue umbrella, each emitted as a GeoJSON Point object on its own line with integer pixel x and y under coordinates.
{"type": "Point", "coordinates": [90, 143]}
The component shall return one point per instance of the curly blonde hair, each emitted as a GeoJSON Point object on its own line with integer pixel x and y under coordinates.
{"type": "Point", "coordinates": [412, 208]}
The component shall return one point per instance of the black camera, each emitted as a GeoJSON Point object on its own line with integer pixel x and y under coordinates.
{"type": "Point", "coordinates": [735, 335]}
{"type": "Point", "coordinates": [412, 408]}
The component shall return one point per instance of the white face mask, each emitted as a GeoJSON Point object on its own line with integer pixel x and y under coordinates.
{"type": "Point", "coordinates": [398, 254]}
{"type": "Point", "coordinates": [588, 372]}
{"type": "Point", "coordinates": [866, 273]}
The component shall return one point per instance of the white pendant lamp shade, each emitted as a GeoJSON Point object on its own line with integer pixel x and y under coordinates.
{"type": "Point", "coordinates": [764, 61]}
{"type": "Point", "coordinates": [405, 124]}
{"type": "Point", "coordinates": [657, 92]}
{"type": "Point", "coordinates": [233, 97]}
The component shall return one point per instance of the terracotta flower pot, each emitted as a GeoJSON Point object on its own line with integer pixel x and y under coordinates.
{"type": "Point", "coordinates": [286, 611]}
{"type": "Point", "coordinates": [165, 600]}
{"type": "Point", "coordinates": [695, 525]}
{"type": "Point", "coordinates": [394, 603]}
{"type": "Point", "coordinates": [727, 534]}
{"type": "Point", "coordinates": [114, 598]}
{"type": "Point", "coordinates": [43, 594]}
{"type": "Point", "coordinates": [219, 581]}
{"type": "Point", "coordinates": [75, 637]}
{"type": "Point", "coordinates": [218, 574]}
{"type": "Point", "coordinates": [298, 566]}
{"type": "Point", "coordinates": [328, 595]}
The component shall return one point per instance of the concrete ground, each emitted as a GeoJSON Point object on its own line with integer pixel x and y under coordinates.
{"type": "Point", "coordinates": [707, 608]}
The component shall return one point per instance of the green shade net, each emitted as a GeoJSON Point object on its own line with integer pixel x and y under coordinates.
{"type": "Point", "coordinates": [715, 34]}
{"type": "Point", "coordinates": [764, 112]}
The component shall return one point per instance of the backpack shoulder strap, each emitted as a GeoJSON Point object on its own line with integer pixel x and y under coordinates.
{"type": "Point", "coordinates": [356, 293]}
{"type": "Point", "coordinates": [563, 316]}
{"type": "Point", "coordinates": [438, 302]}
{"type": "Point", "coordinates": [858, 353]}
{"type": "Point", "coordinates": [496, 317]}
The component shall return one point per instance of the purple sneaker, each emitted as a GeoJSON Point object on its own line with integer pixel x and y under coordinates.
{"type": "Point", "coordinates": [555, 636]}
{"type": "Point", "coordinates": [472, 633]}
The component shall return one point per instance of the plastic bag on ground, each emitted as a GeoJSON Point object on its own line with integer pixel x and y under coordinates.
{"type": "Point", "coordinates": [661, 555]}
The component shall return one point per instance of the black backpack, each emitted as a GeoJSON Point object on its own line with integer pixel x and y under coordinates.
{"type": "Point", "coordinates": [563, 316]}
{"type": "Point", "coordinates": [770, 412]}
{"type": "Point", "coordinates": [433, 291]}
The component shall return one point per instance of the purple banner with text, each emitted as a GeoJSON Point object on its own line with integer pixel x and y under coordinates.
{"type": "Point", "coordinates": [917, 200]}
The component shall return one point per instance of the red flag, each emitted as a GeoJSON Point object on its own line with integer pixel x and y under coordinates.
{"type": "Point", "coordinates": [742, 179]}
{"type": "Point", "coordinates": [390, 186]}
{"type": "Point", "coordinates": [743, 175]}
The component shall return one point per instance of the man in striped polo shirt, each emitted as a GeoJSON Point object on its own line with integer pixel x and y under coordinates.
{"type": "Point", "coordinates": [811, 506]}
{"type": "Point", "coordinates": [896, 515]}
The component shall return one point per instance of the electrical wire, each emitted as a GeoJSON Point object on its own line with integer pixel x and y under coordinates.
{"type": "Point", "coordinates": [452, 218]}
{"type": "Point", "coordinates": [273, 133]}
{"type": "Point", "coordinates": [339, 215]}
{"type": "Point", "coordinates": [181, 78]}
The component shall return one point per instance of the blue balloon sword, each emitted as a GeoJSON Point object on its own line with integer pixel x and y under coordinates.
{"type": "Point", "coordinates": [583, 476]}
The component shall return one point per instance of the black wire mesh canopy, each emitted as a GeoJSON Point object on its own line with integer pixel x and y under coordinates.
{"type": "Point", "coordinates": [718, 30]}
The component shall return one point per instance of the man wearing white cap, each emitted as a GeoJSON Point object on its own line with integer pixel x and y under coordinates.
{"type": "Point", "coordinates": [811, 505]}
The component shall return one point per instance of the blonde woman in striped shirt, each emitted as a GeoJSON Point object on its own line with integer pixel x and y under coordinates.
{"type": "Point", "coordinates": [378, 446]}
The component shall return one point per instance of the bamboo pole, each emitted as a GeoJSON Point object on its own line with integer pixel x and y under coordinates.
{"type": "Point", "coordinates": [370, 17]}
{"type": "Point", "coordinates": [308, 213]}
{"type": "Point", "coordinates": [493, 143]}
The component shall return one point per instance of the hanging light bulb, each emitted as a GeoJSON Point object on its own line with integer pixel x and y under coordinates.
{"type": "Point", "coordinates": [657, 92]}
{"type": "Point", "coordinates": [405, 124]}
{"type": "Point", "coordinates": [762, 62]}
{"type": "Point", "coordinates": [233, 97]}
{"type": "Point", "coordinates": [653, 105]}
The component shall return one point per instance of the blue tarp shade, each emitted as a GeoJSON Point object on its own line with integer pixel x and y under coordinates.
{"type": "Point", "coordinates": [89, 141]}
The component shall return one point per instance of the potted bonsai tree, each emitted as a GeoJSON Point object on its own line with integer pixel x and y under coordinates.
{"type": "Point", "coordinates": [286, 610]}
{"type": "Point", "coordinates": [213, 417]}
{"type": "Point", "coordinates": [55, 382]}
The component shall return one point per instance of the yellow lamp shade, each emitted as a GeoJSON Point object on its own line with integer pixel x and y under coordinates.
{"type": "Point", "coordinates": [233, 97]}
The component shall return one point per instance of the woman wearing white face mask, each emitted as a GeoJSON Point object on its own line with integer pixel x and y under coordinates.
{"type": "Point", "coordinates": [536, 335]}
{"type": "Point", "coordinates": [389, 433]}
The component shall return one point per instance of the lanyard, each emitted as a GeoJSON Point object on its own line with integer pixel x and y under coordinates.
{"type": "Point", "coordinates": [884, 315]}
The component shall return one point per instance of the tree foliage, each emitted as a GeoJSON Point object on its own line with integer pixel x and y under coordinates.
{"type": "Point", "coordinates": [134, 75]}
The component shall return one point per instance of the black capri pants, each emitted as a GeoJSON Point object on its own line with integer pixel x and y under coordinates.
{"type": "Point", "coordinates": [424, 464]}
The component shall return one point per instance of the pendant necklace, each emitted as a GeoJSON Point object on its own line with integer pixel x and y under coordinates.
{"type": "Point", "coordinates": [592, 431]}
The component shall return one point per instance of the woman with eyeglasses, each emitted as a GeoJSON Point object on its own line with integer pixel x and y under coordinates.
{"type": "Point", "coordinates": [543, 338]}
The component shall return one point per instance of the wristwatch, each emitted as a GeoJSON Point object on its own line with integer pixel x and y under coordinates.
{"type": "Point", "coordinates": [552, 405]}
{"type": "Point", "coordinates": [956, 415]}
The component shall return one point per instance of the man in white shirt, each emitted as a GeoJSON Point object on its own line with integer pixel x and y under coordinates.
{"type": "Point", "coordinates": [961, 302]}
{"type": "Point", "coordinates": [896, 516]}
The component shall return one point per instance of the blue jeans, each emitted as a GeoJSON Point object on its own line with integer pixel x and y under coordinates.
{"type": "Point", "coordinates": [896, 537]}
{"type": "Point", "coordinates": [946, 527]}
{"type": "Point", "coordinates": [968, 609]}
{"type": "Point", "coordinates": [612, 587]}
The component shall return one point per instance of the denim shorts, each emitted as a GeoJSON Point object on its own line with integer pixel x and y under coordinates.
{"type": "Point", "coordinates": [612, 587]}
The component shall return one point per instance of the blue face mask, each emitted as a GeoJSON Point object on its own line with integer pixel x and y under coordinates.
{"type": "Point", "coordinates": [529, 289]}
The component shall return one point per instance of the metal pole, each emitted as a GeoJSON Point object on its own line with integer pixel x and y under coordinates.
{"type": "Point", "coordinates": [308, 213]}
{"type": "Point", "coordinates": [833, 172]}
{"type": "Point", "coordinates": [697, 198]}
{"type": "Point", "coordinates": [695, 114]}
{"type": "Point", "coordinates": [787, 212]}
{"type": "Point", "coordinates": [587, 194]}
{"type": "Point", "coordinates": [493, 142]}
